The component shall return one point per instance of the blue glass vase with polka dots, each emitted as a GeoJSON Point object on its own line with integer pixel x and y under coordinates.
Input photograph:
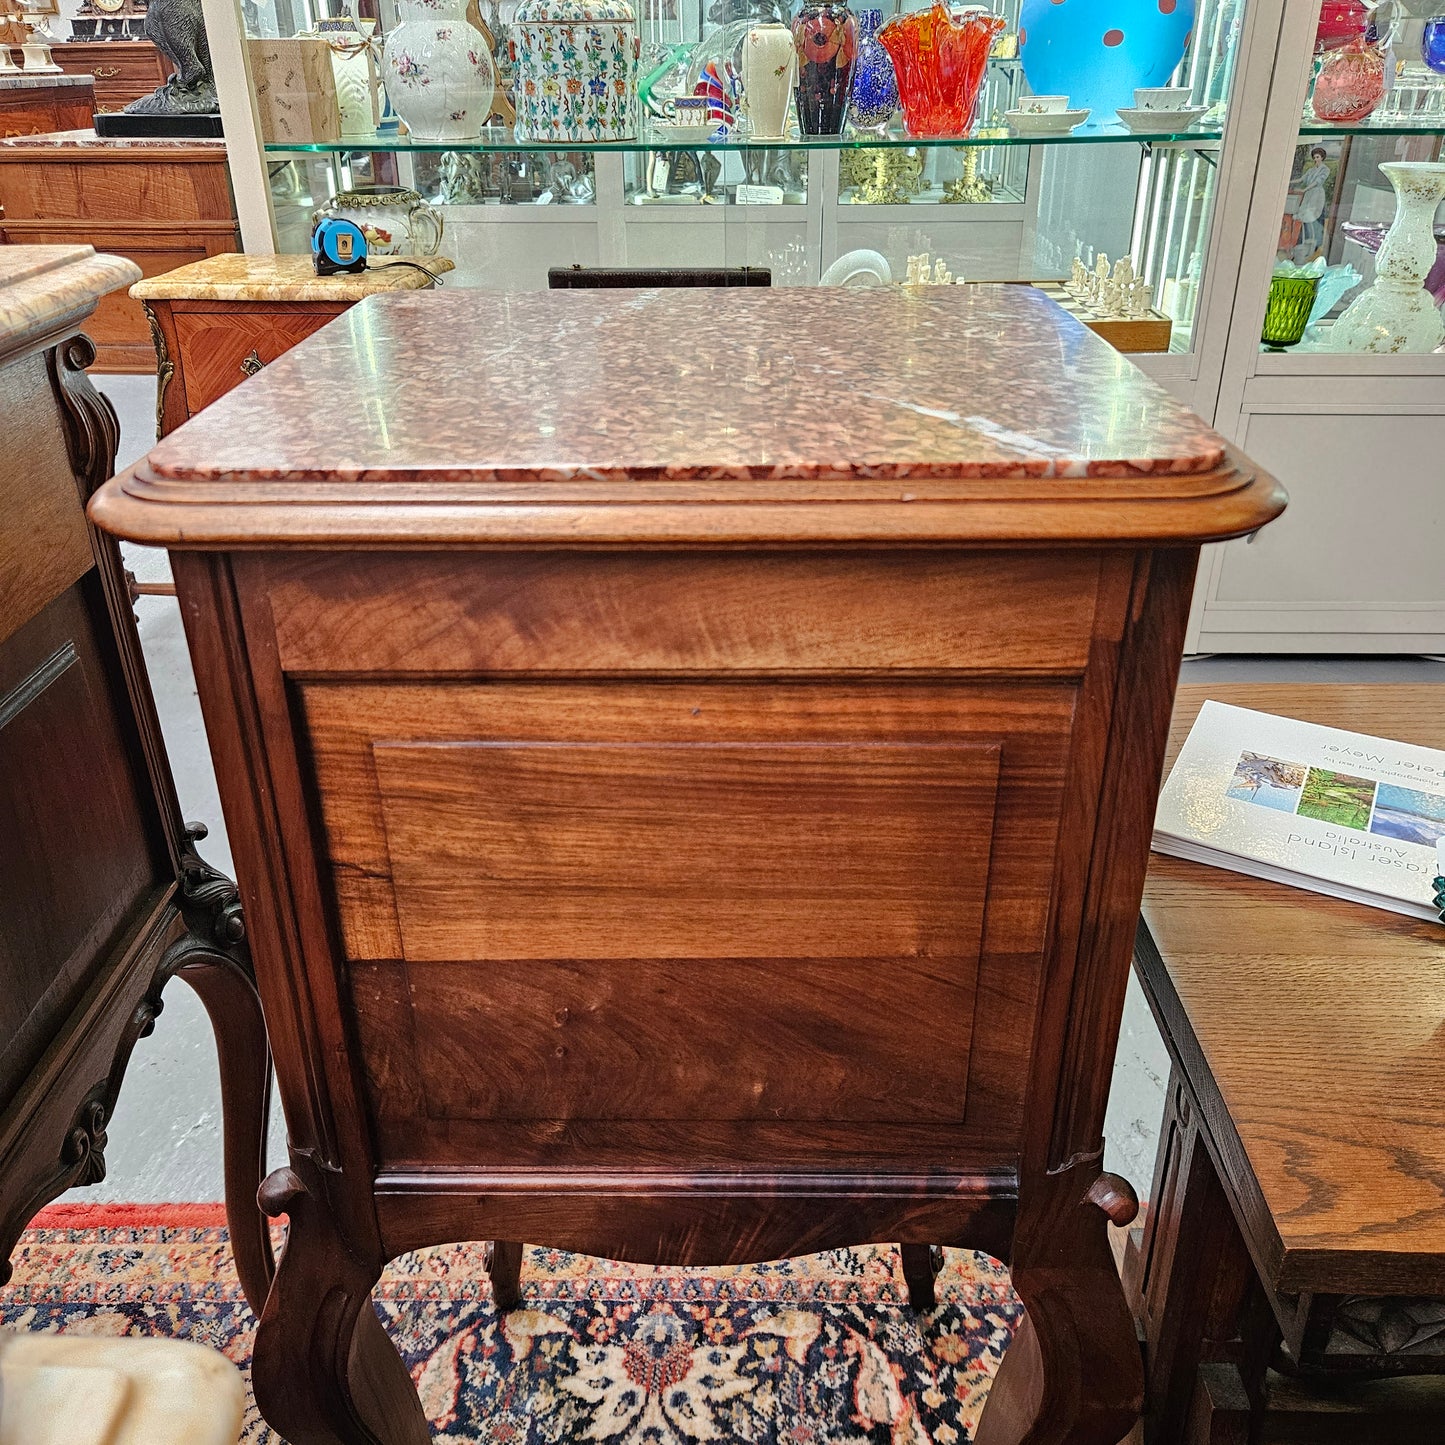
{"type": "Point", "coordinates": [1098, 52]}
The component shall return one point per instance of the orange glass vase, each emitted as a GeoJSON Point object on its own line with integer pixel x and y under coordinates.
{"type": "Point", "coordinates": [939, 58]}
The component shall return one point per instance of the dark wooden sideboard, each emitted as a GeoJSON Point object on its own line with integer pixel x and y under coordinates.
{"type": "Point", "coordinates": [159, 203]}
{"type": "Point", "coordinates": [695, 810]}
{"type": "Point", "coordinates": [105, 898]}
{"type": "Point", "coordinates": [123, 70]}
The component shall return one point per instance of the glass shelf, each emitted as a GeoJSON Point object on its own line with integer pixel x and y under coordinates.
{"type": "Point", "coordinates": [501, 139]}
{"type": "Point", "coordinates": [1419, 125]}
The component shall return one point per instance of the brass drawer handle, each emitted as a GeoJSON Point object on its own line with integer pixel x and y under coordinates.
{"type": "Point", "coordinates": [252, 364]}
{"type": "Point", "coordinates": [104, 72]}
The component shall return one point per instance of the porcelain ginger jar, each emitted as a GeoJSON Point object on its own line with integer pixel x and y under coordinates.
{"type": "Point", "coordinates": [575, 70]}
{"type": "Point", "coordinates": [439, 72]}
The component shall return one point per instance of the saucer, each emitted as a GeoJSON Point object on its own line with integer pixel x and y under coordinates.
{"type": "Point", "coordinates": [1045, 122]}
{"type": "Point", "coordinates": [698, 135]}
{"type": "Point", "coordinates": [1161, 120]}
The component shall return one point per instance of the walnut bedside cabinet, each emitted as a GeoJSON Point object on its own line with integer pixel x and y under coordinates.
{"type": "Point", "coordinates": [691, 759]}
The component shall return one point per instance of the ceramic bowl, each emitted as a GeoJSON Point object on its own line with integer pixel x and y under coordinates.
{"type": "Point", "coordinates": [1165, 97]}
{"type": "Point", "coordinates": [1161, 120]}
{"type": "Point", "coordinates": [1045, 122]}
{"type": "Point", "coordinates": [1035, 103]}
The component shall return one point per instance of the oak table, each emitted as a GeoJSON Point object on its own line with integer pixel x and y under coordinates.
{"type": "Point", "coordinates": [690, 760]}
{"type": "Point", "coordinates": [1293, 1258]}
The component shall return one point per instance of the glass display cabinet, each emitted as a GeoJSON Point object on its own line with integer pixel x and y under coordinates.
{"type": "Point", "coordinates": [1215, 203]}
{"type": "Point", "coordinates": [998, 204]}
{"type": "Point", "coordinates": [1351, 415]}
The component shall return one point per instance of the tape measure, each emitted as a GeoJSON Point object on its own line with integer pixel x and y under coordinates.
{"type": "Point", "coordinates": [337, 245]}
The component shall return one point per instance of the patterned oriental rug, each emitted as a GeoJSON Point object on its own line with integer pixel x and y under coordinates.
{"type": "Point", "coordinates": [819, 1349]}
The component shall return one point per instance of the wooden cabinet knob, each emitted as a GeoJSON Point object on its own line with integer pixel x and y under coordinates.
{"type": "Point", "coordinates": [104, 72]}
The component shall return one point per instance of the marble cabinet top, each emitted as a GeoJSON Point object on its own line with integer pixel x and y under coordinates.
{"type": "Point", "coordinates": [562, 405]}
{"type": "Point", "coordinates": [87, 140]}
{"type": "Point", "coordinates": [44, 289]}
{"type": "Point", "coordinates": [44, 82]}
{"type": "Point", "coordinates": [236, 277]}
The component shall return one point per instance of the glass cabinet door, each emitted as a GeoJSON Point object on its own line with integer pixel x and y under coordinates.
{"type": "Point", "coordinates": [1359, 268]}
{"type": "Point", "coordinates": [1019, 198]}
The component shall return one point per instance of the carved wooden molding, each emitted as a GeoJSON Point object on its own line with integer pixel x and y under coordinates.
{"type": "Point", "coordinates": [92, 430]}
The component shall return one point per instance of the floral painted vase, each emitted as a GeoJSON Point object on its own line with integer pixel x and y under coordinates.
{"type": "Point", "coordinates": [1097, 52]}
{"type": "Point", "coordinates": [439, 72]}
{"type": "Point", "coordinates": [825, 35]}
{"type": "Point", "coordinates": [769, 73]}
{"type": "Point", "coordinates": [939, 57]}
{"type": "Point", "coordinates": [1397, 313]}
{"type": "Point", "coordinates": [874, 101]}
{"type": "Point", "coordinates": [1351, 83]}
{"type": "Point", "coordinates": [576, 70]}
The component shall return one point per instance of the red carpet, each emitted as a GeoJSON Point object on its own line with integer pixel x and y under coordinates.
{"type": "Point", "coordinates": [807, 1351]}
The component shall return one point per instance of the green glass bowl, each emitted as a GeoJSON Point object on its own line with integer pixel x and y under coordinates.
{"type": "Point", "coordinates": [1288, 311]}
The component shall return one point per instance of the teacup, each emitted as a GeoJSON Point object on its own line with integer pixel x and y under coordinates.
{"type": "Point", "coordinates": [1167, 97]}
{"type": "Point", "coordinates": [690, 110]}
{"type": "Point", "coordinates": [1044, 104]}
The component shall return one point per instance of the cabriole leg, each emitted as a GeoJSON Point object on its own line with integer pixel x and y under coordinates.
{"type": "Point", "coordinates": [325, 1371]}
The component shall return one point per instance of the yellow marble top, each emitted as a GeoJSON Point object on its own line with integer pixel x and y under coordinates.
{"type": "Point", "coordinates": [235, 277]}
{"type": "Point", "coordinates": [45, 289]}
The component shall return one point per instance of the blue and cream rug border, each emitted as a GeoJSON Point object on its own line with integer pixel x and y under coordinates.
{"type": "Point", "coordinates": [801, 1352]}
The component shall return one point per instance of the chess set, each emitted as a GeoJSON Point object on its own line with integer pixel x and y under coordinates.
{"type": "Point", "coordinates": [1116, 304]}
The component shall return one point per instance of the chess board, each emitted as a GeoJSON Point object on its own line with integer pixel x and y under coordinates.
{"type": "Point", "coordinates": [1149, 332]}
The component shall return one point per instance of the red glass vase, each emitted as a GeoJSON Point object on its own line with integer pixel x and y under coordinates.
{"type": "Point", "coordinates": [939, 59]}
{"type": "Point", "coordinates": [1341, 21]}
{"type": "Point", "coordinates": [1351, 83]}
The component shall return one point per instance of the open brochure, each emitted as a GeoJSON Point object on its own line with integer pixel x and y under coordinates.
{"type": "Point", "coordinates": [1353, 816]}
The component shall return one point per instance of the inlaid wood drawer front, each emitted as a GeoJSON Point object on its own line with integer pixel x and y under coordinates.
{"type": "Point", "coordinates": [216, 347]}
{"type": "Point", "coordinates": [665, 612]}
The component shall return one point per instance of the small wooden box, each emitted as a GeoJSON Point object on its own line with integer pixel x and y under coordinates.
{"type": "Point", "coordinates": [295, 90]}
{"type": "Point", "coordinates": [1129, 335]}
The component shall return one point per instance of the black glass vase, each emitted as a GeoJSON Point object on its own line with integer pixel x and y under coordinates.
{"type": "Point", "coordinates": [825, 34]}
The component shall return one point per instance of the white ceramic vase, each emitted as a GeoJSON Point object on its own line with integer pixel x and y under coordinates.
{"type": "Point", "coordinates": [575, 71]}
{"type": "Point", "coordinates": [770, 72]}
{"type": "Point", "coordinates": [355, 73]}
{"type": "Point", "coordinates": [439, 72]}
{"type": "Point", "coordinates": [1397, 314]}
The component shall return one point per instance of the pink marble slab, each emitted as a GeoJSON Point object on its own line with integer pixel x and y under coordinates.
{"type": "Point", "coordinates": [797, 383]}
